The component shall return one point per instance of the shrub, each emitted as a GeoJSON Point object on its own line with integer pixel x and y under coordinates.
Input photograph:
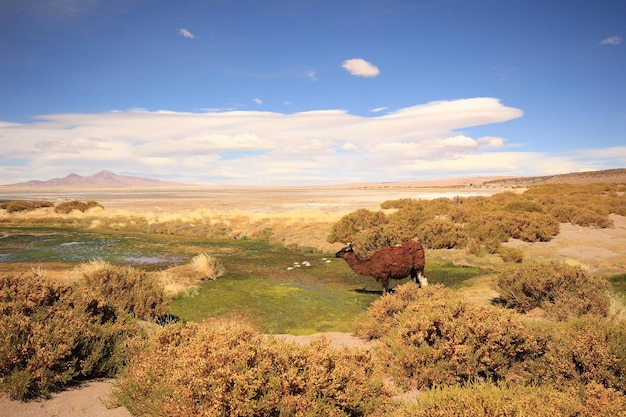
{"type": "Point", "coordinates": [349, 225]}
{"type": "Point", "coordinates": [442, 234]}
{"type": "Point", "coordinates": [17, 206]}
{"type": "Point", "coordinates": [562, 290]}
{"type": "Point", "coordinates": [207, 266]}
{"type": "Point", "coordinates": [587, 351]}
{"type": "Point", "coordinates": [473, 247]}
{"type": "Point", "coordinates": [592, 400]}
{"type": "Point", "coordinates": [434, 338]}
{"type": "Point", "coordinates": [130, 289]}
{"type": "Point", "coordinates": [510, 254]}
{"type": "Point", "coordinates": [69, 206]}
{"type": "Point", "coordinates": [227, 368]}
{"type": "Point", "coordinates": [52, 335]}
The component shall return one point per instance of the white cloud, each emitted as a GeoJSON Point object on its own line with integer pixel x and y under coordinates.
{"type": "Point", "coordinates": [262, 148]}
{"type": "Point", "coordinates": [257, 100]}
{"type": "Point", "coordinates": [613, 40]}
{"type": "Point", "coordinates": [360, 67]}
{"type": "Point", "coordinates": [491, 142]}
{"type": "Point", "coordinates": [378, 109]}
{"type": "Point", "coordinates": [185, 33]}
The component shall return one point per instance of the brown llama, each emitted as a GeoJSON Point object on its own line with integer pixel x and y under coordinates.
{"type": "Point", "coordinates": [392, 262]}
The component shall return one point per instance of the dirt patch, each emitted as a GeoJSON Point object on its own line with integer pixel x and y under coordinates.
{"type": "Point", "coordinates": [86, 400]}
{"type": "Point", "coordinates": [601, 251]}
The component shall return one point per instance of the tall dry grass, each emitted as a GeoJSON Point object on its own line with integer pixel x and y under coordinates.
{"type": "Point", "coordinates": [207, 266]}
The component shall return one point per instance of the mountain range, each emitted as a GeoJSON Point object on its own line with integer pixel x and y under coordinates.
{"type": "Point", "coordinates": [105, 179]}
{"type": "Point", "coordinates": [101, 179]}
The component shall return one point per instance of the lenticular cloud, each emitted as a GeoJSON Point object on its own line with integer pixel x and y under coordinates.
{"type": "Point", "coordinates": [254, 147]}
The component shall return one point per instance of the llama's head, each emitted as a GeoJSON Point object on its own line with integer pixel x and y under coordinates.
{"type": "Point", "coordinates": [344, 250]}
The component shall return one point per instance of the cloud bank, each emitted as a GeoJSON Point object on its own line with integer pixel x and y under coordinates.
{"type": "Point", "coordinates": [267, 148]}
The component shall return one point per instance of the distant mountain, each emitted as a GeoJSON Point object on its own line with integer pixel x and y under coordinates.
{"type": "Point", "coordinates": [101, 179]}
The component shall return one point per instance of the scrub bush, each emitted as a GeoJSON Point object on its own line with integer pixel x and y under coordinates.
{"type": "Point", "coordinates": [561, 290]}
{"type": "Point", "coordinates": [587, 351]}
{"type": "Point", "coordinates": [220, 368]}
{"type": "Point", "coordinates": [431, 337]}
{"type": "Point", "coordinates": [52, 335]}
{"type": "Point", "coordinates": [592, 400]}
{"type": "Point", "coordinates": [129, 289]}
{"type": "Point", "coordinates": [18, 206]}
{"type": "Point", "coordinates": [69, 206]}
{"type": "Point", "coordinates": [512, 255]}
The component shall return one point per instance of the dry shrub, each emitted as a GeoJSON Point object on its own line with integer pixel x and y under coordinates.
{"type": "Point", "coordinates": [350, 225]}
{"type": "Point", "coordinates": [432, 337]}
{"type": "Point", "coordinates": [228, 368]}
{"type": "Point", "coordinates": [512, 255]}
{"type": "Point", "coordinates": [52, 335]}
{"type": "Point", "coordinates": [21, 206]}
{"type": "Point", "coordinates": [207, 266]}
{"type": "Point", "coordinates": [560, 289]}
{"type": "Point", "coordinates": [473, 247]}
{"type": "Point", "coordinates": [442, 234]}
{"type": "Point", "coordinates": [69, 206]}
{"type": "Point", "coordinates": [130, 289]}
{"type": "Point", "coordinates": [585, 351]}
{"type": "Point", "coordinates": [592, 400]}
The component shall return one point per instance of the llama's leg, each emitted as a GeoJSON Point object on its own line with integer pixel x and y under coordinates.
{"type": "Point", "coordinates": [385, 283]}
{"type": "Point", "coordinates": [421, 279]}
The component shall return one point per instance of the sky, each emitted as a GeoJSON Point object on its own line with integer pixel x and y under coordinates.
{"type": "Point", "coordinates": [302, 92]}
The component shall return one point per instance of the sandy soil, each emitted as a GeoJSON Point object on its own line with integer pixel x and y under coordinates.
{"type": "Point", "coordinates": [599, 250]}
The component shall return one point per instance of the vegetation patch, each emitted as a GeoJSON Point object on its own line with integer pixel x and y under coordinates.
{"type": "Point", "coordinates": [53, 335]}
{"type": "Point", "coordinates": [488, 399]}
{"type": "Point", "coordinates": [228, 368]}
{"type": "Point", "coordinates": [560, 289]}
{"type": "Point", "coordinates": [480, 222]}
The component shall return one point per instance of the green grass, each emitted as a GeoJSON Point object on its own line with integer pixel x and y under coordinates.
{"type": "Point", "coordinates": [325, 296]}
{"type": "Point", "coordinates": [618, 282]}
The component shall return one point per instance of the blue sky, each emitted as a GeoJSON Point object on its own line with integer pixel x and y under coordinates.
{"type": "Point", "coordinates": [276, 92]}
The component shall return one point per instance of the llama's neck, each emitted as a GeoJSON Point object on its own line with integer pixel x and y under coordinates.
{"type": "Point", "coordinates": [358, 265]}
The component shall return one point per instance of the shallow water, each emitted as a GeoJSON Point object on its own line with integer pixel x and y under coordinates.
{"type": "Point", "coordinates": [49, 245]}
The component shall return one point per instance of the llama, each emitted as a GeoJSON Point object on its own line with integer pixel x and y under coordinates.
{"type": "Point", "coordinates": [388, 263]}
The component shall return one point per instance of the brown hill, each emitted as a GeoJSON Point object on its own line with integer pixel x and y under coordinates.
{"type": "Point", "coordinates": [609, 176]}
{"type": "Point", "coordinates": [101, 179]}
